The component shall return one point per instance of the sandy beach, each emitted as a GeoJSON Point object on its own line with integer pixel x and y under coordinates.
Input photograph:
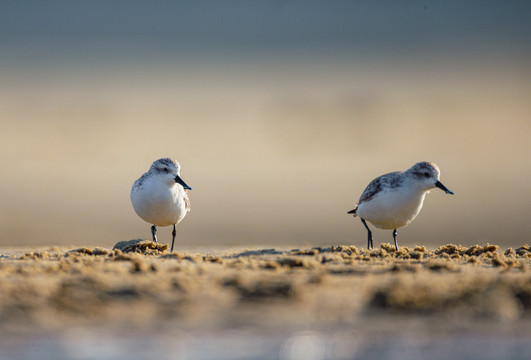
{"type": "Point", "coordinates": [140, 292]}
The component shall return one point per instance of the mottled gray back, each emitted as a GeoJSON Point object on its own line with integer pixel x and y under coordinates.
{"type": "Point", "coordinates": [392, 180]}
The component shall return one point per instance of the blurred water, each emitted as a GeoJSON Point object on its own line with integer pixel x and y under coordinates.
{"type": "Point", "coordinates": [303, 345]}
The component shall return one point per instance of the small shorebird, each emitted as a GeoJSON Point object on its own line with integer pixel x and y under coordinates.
{"type": "Point", "coordinates": [159, 196]}
{"type": "Point", "coordinates": [393, 200]}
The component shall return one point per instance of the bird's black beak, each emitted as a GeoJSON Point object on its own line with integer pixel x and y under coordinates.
{"type": "Point", "coordinates": [180, 181]}
{"type": "Point", "coordinates": [443, 188]}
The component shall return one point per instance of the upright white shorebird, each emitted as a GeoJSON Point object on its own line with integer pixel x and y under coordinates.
{"type": "Point", "coordinates": [159, 196]}
{"type": "Point", "coordinates": [394, 200]}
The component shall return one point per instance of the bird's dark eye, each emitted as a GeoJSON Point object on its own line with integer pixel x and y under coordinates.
{"type": "Point", "coordinates": [426, 174]}
{"type": "Point", "coordinates": [165, 170]}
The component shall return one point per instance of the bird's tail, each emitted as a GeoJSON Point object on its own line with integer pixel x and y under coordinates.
{"type": "Point", "coordinates": [353, 211]}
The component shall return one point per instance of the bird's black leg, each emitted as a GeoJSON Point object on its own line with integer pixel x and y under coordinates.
{"type": "Point", "coordinates": [173, 233]}
{"type": "Point", "coordinates": [369, 240]}
{"type": "Point", "coordinates": [154, 233]}
{"type": "Point", "coordinates": [394, 237]}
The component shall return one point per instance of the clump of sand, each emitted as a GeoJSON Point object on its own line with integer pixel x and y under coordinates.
{"type": "Point", "coordinates": [141, 246]}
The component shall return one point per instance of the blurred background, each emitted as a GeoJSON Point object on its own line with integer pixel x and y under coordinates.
{"type": "Point", "coordinates": [280, 113]}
